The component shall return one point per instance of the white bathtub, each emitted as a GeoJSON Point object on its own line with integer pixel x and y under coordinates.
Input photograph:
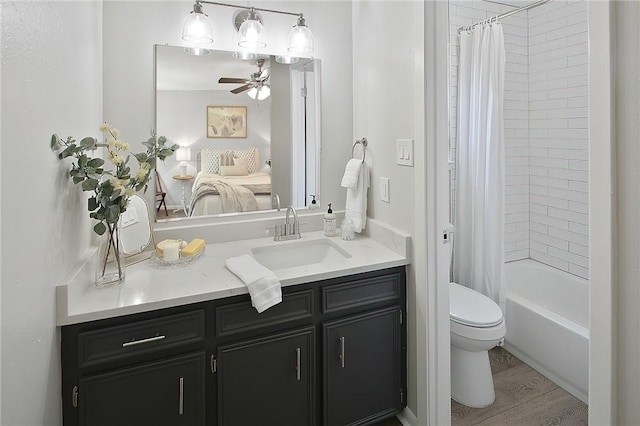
{"type": "Point", "coordinates": [547, 322]}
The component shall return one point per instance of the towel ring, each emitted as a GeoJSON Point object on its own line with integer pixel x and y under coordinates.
{"type": "Point", "coordinates": [362, 142]}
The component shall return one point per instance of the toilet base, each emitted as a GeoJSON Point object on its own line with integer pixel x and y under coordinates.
{"type": "Point", "coordinates": [471, 379]}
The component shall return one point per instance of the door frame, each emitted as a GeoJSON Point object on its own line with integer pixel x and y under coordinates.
{"type": "Point", "coordinates": [436, 410]}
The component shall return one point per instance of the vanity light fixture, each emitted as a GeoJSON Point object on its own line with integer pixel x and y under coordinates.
{"type": "Point", "coordinates": [252, 32]}
{"type": "Point", "coordinates": [197, 28]}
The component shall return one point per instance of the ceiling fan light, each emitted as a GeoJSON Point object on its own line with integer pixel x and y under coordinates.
{"type": "Point", "coordinates": [263, 92]}
{"type": "Point", "coordinates": [252, 33]}
{"type": "Point", "coordinates": [197, 27]}
{"type": "Point", "coordinates": [300, 38]}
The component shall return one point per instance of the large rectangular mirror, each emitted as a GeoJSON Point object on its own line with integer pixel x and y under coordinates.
{"type": "Point", "coordinates": [250, 128]}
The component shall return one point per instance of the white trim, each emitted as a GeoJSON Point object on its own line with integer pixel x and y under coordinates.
{"type": "Point", "coordinates": [407, 418]}
{"type": "Point", "coordinates": [436, 211]}
{"type": "Point", "coordinates": [601, 218]}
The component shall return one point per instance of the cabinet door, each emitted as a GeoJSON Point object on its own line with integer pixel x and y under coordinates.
{"type": "Point", "coordinates": [362, 367]}
{"type": "Point", "coordinates": [169, 392]}
{"type": "Point", "coordinates": [268, 381]}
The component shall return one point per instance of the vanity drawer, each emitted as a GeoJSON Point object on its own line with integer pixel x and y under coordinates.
{"type": "Point", "coordinates": [242, 317]}
{"type": "Point", "coordinates": [359, 293]}
{"type": "Point", "coordinates": [121, 342]}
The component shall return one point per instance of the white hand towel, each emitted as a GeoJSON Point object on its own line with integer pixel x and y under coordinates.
{"type": "Point", "coordinates": [351, 173]}
{"type": "Point", "coordinates": [356, 206]}
{"type": "Point", "coordinates": [264, 286]}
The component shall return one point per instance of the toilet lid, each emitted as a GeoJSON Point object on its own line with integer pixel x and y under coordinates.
{"type": "Point", "coordinates": [469, 307]}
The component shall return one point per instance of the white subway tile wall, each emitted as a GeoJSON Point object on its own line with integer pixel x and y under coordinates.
{"type": "Point", "coordinates": [558, 124]}
{"type": "Point", "coordinates": [546, 133]}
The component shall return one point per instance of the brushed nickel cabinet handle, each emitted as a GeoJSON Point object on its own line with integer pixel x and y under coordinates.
{"type": "Point", "coordinates": [298, 364]}
{"type": "Point", "coordinates": [181, 402]}
{"type": "Point", "coordinates": [140, 342]}
{"type": "Point", "coordinates": [341, 356]}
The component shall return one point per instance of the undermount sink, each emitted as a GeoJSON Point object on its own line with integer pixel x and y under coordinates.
{"type": "Point", "coordinates": [290, 254]}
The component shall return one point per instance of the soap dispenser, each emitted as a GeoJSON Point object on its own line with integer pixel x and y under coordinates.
{"type": "Point", "coordinates": [329, 223]}
{"type": "Point", "coordinates": [314, 205]}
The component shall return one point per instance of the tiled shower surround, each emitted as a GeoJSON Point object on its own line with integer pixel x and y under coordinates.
{"type": "Point", "coordinates": [546, 133]}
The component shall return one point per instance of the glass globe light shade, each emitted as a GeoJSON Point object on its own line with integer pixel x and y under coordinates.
{"type": "Point", "coordinates": [253, 92]}
{"type": "Point", "coordinates": [252, 34]}
{"type": "Point", "coordinates": [300, 38]}
{"type": "Point", "coordinates": [197, 28]}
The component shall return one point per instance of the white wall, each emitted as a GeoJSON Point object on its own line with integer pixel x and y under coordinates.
{"type": "Point", "coordinates": [546, 143]}
{"type": "Point", "coordinates": [51, 82]}
{"type": "Point", "coordinates": [626, 39]}
{"type": "Point", "coordinates": [385, 76]}
{"type": "Point", "coordinates": [182, 119]}
{"type": "Point", "coordinates": [558, 136]}
{"type": "Point", "coordinates": [128, 72]}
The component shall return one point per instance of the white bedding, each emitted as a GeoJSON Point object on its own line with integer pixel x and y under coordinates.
{"type": "Point", "coordinates": [259, 183]}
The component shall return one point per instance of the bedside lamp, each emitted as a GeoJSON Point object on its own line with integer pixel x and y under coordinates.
{"type": "Point", "coordinates": [183, 155]}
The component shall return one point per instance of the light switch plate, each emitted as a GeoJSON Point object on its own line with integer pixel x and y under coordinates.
{"type": "Point", "coordinates": [404, 152]}
{"type": "Point", "coordinates": [384, 189]}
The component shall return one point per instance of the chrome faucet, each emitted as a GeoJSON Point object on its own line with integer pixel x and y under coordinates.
{"type": "Point", "coordinates": [287, 230]}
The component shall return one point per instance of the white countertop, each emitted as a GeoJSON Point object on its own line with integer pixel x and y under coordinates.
{"type": "Point", "coordinates": [148, 286]}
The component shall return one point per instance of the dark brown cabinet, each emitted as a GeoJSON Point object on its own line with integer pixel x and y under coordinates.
{"type": "Point", "coordinates": [332, 353]}
{"type": "Point", "coordinates": [268, 381]}
{"type": "Point", "coordinates": [362, 365]}
{"type": "Point", "coordinates": [169, 392]}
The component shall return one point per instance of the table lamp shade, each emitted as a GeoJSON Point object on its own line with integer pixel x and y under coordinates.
{"type": "Point", "coordinates": [183, 154]}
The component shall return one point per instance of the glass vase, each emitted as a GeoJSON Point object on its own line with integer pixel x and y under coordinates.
{"type": "Point", "coordinates": [110, 267]}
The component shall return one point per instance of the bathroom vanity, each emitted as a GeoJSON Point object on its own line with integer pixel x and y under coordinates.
{"type": "Point", "coordinates": [184, 346]}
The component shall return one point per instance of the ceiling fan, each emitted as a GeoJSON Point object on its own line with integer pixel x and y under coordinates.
{"type": "Point", "coordinates": [256, 80]}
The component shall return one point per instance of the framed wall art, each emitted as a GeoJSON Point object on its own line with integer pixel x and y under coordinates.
{"type": "Point", "coordinates": [226, 121]}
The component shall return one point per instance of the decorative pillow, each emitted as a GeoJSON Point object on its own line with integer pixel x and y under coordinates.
{"type": "Point", "coordinates": [240, 162]}
{"type": "Point", "coordinates": [252, 157]}
{"type": "Point", "coordinates": [226, 159]}
{"type": "Point", "coordinates": [239, 170]}
{"type": "Point", "coordinates": [210, 161]}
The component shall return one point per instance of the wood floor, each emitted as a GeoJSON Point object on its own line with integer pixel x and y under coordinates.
{"type": "Point", "coordinates": [524, 397]}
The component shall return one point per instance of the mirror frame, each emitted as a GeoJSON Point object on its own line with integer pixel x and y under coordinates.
{"type": "Point", "coordinates": [316, 84]}
{"type": "Point", "coordinates": [140, 215]}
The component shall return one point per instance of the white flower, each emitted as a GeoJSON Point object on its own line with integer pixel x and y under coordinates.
{"type": "Point", "coordinates": [129, 192]}
{"type": "Point", "coordinates": [121, 145]}
{"type": "Point", "coordinates": [105, 127]}
{"type": "Point", "coordinates": [143, 172]}
{"type": "Point", "coordinates": [115, 159]}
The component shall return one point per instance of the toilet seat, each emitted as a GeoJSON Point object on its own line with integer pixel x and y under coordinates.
{"type": "Point", "coordinates": [471, 308]}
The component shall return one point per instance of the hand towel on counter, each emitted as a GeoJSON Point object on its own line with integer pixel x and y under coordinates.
{"type": "Point", "coordinates": [356, 207]}
{"type": "Point", "coordinates": [264, 286]}
{"type": "Point", "coordinates": [351, 173]}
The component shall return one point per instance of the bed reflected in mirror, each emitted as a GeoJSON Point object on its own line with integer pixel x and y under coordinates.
{"type": "Point", "coordinates": [251, 128]}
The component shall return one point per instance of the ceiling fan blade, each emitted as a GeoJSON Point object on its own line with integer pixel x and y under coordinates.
{"type": "Point", "coordinates": [242, 88]}
{"type": "Point", "coordinates": [233, 80]}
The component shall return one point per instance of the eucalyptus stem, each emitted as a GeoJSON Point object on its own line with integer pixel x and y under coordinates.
{"type": "Point", "coordinates": [112, 230]}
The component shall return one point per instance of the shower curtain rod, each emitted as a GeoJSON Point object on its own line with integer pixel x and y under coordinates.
{"type": "Point", "coordinates": [504, 15]}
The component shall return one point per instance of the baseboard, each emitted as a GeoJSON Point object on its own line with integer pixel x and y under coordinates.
{"type": "Point", "coordinates": [407, 418]}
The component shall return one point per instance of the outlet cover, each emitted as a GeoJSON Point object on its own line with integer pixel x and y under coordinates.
{"type": "Point", "coordinates": [384, 189]}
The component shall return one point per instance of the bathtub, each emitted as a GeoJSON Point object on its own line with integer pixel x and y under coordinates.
{"type": "Point", "coordinates": [547, 322]}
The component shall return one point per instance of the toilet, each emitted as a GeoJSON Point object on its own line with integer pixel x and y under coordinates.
{"type": "Point", "coordinates": [477, 325]}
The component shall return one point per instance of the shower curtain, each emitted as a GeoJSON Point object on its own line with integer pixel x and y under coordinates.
{"type": "Point", "coordinates": [479, 219]}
